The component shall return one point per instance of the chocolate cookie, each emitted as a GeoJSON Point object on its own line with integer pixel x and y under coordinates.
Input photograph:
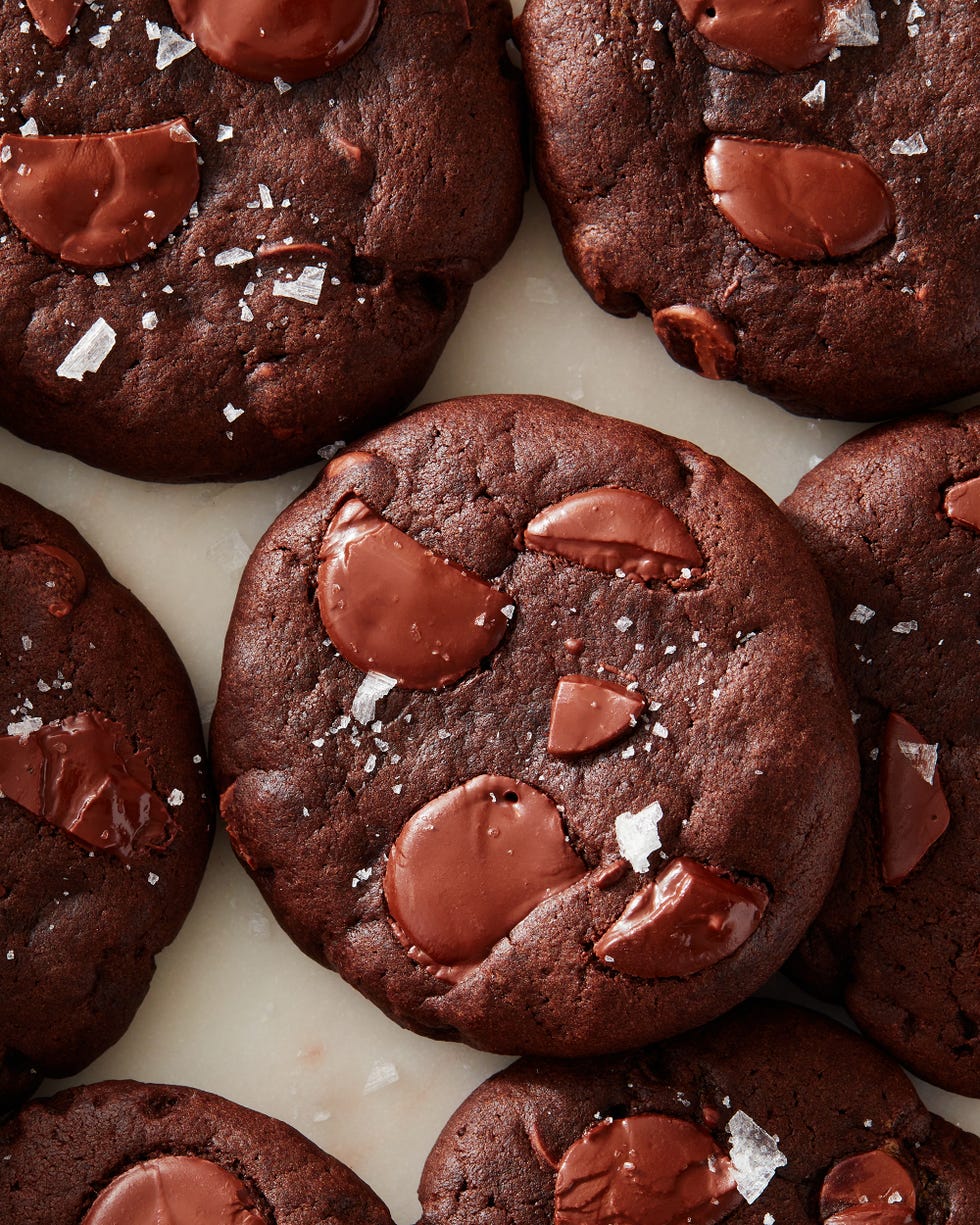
{"type": "Point", "coordinates": [791, 196]}
{"type": "Point", "coordinates": [105, 823]}
{"type": "Point", "coordinates": [770, 1116]}
{"type": "Point", "coordinates": [893, 519]}
{"type": "Point", "coordinates": [121, 1153]}
{"type": "Point", "coordinates": [217, 257]}
{"type": "Point", "coordinates": [512, 701]}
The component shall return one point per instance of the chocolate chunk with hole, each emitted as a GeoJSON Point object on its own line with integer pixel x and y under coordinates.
{"type": "Point", "coordinates": [588, 714]}
{"type": "Point", "coordinates": [962, 503]}
{"type": "Point", "coordinates": [648, 1169]}
{"type": "Point", "coordinates": [689, 918]}
{"type": "Point", "coordinates": [697, 340]}
{"type": "Point", "coordinates": [175, 1190]}
{"type": "Point", "coordinates": [291, 39]}
{"type": "Point", "coordinates": [83, 776]}
{"type": "Point", "coordinates": [54, 18]}
{"type": "Point", "coordinates": [800, 202]}
{"type": "Point", "coordinates": [869, 1187]}
{"type": "Point", "coordinates": [914, 812]}
{"type": "Point", "coordinates": [100, 200]}
{"type": "Point", "coordinates": [612, 529]}
{"type": "Point", "coordinates": [469, 866]}
{"type": "Point", "coordinates": [785, 34]}
{"type": "Point", "coordinates": [392, 606]}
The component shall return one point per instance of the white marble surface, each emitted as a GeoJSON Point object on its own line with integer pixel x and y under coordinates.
{"type": "Point", "coordinates": [235, 1008]}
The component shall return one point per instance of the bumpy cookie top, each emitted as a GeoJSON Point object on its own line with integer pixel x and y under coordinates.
{"type": "Point", "coordinates": [218, 256]}
{"type": "Point", "coordinates": [511, 704]}
{"type": "Point", "coordinates": [893, 519]}
{"type": "Point", "coordinates": [105, 819]}
{"type": "Point", "coordinates": [769, 1116]}
{"type": "Point", "coordinates": [788, 189]}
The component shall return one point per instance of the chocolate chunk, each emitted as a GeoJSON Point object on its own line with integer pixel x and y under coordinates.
{"type": "Point", "coordinates": [612, 529]}
{"type": "Point", "coordinates": [174, 1191]}
{"type": "Point", "coordinates": [802, 202]}
{"type": "Point", "coordinates": [103, 199]}
{"type": "Point", "coordinates": [786, 35]}
{"type": "Point", "coordinates": [914, 812]}
{"type": "Point", "coordinates": [82, 775]}
{"type": "Point", "coordinates": [697, 340]}
{"type": "Point", "coordinates": [265, 39]}
{"type": "Point", "coordinates": [394, 607]}
{"type": "Point", "coordinates": [469, 866]}
{"type": "Point", "coordinates": [870, 1187]}
{"type": "Point", "coordinates": [54, 18]}
{"type": "Point", "coordinates": [64, 579]}
{"type": "Point", "coordinates": [689, 918]}
{"type": "Point", "coordinates": [588, 714]}
{"type": "Point", "coordinates": [962, 503]}
{"type": "Point", "coordinates": [648, 1169]}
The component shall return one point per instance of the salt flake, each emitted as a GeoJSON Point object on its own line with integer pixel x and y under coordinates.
{"type": "Point", "coordinates": [755, 1156]}
{"type": "Point", "coordinates": [26, 726]}
{"type": "Point", "coordinates": [175, 798]}
{"type": "Point", "coordinates": [231, 257]}
{"type": "Point", "coordinates": [905, 627]}
{"type": "Point", "coordinates": [172, 46]}
{"type": "Point", "coordinates": [371, 690]}
{"type": "Point", "coordinates": [91, 351]}
{"type": "Point", "coordinates": [912, 146]}
{"type": "Point", "coordinates": [150, 320]}
{"type": "Point", "coordinates": [638, 835]}
{"type": "Point", "coordinates": [306, 288]}
{"type": "Point", "coordinates": [923, 757]}
{"type": "Point", "coordinates": [817, 96]}
{"type": "Point", "coordinates": [862, 614]}
{"type": "Point", "coordinates": [854, 26]}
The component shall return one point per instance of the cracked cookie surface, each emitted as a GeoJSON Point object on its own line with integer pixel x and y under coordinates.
{"type": "Point", "coordinates": [414, 831]}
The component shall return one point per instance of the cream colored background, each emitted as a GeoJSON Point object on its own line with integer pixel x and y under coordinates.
{"type": "Point", "coordinates": [235, 1008]}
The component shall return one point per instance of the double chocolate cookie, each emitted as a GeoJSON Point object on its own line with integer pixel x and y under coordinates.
{"type": "Point", "coordinates": [105, 821]}
{"type": "Point", "coordinates": [893, 519]}
{"type": "Point", "coordinates": [233, 233]}
{"type": "Point", "coordinates": [770, 1116]}
{"type": "Point", "coordinates": [789, 191]}
{"type": "Point", "coordinates": [513, 701]}
{"type": "Point", "coordinates": [121, 1153]}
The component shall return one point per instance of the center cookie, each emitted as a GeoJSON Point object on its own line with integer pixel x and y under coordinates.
{"type": "Point", "coordinates": [231, 233]}
{"type": "Point", "coordinates": [530, 726]}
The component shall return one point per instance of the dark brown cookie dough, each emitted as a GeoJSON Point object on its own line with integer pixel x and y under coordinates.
{"type": "Point", "coordinates": [339, 226]}
{"type": "Point", "coordinates": [118, 1153]}
{"type": "Point", "coordinates": [520, 572]}
{"type": "Point", "coordinates": [769, 1116]}
{"type": "Point", "coordinates": [105, 820]}
{"type": "Point", "coordinates": [895, 528]}
{"type": "Point", "coordinates": [792, 200]}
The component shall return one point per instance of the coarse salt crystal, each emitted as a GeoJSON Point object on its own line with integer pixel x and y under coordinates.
{"type": "Point", "coordinates": [23, 729]}
{"type": "Point", "coordinates": [306, 288]}
{"type": "Point", "coordinates": [175, 798]}
{"type": "Point", "coordinates": [171, 47]}
{"type": "Point", "coordinates": [911, 146]}
{"type": "Point", "coordinates": [232, 413]}
{"type": "Point", "coordinates": [29, 128]}
{"type": "Point", "coordinates": [225, 132]}
{"type": "Point", "coordinates": [755, 1156]}
{"type": "Point", "coordinates": [923, 758]}
{"type": "Point", "coordinates": [638, 836]}
{"type": "Point", "coordinates": [89, 353]}
{"type": "Point", "coordinates": [265, 196]}
{"type": "Point", "coordinates": [231, 257]}
{"type": "Point", "coordinates": [816, 96]}
{"type": "Point", "coordinates": [371, 690]}
{"type": "Point", "coordinates": [905, 627]}
{"type": "Point", "coordinates": [150, 320]}
{"type": "Point", "coordinates": [854, 26]}
{"type": "Point", "coordinates": [862, 614]}
{"type": "Point", "coordinates": [153, 878]}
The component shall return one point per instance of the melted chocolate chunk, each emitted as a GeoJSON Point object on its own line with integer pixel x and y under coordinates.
{"type": "Point", "coordinates": [648, 1169]}
{"type": "Point", "coordinates": [63, 577]}
{"type": "Point", "coordinates": [100, 200]}
{"type": "Point", "coordinates": [588, 714]}
{"type": "Point", "coordinates": [800, 202]}
{"type": "Point", "coordinates": [175, 1191]}
{"type": "Point", "coordinates": [914, 812]}
{"type": "Point", "coordinates": [612, 529]}
{"type": "Point", "coordinates": [394, 607]}
{"type": "Point", "coordinates": [962, 503]}
{"type": "Point", "coordinates": [469, 866]}
{"type": "Point", "coordinates": [265, 39]}
{"type": "Point", "coordinates": [870, 1187]}
{"type": "Point", "coordinates": [82, 775]}
{"type": "Point", "coordinates": [688, 919]}
{"type": "Point", "coordinates": [785, 34]}
{"type": "Point", "coordinates": [697, 340]}
{"type": "Point", "coordinates": [54, 18]}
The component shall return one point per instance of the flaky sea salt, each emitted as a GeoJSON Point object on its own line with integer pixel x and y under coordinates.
{"type": "Point", "coordinates": [371, 690]}
{"type": "Point", "coordinates": [232, 413]}
{"type": "Point", "coordinates": [854, 26]}
{"type": "Point", "coordinates": [755, 1156]}
{"type": "Point", "coordinates": [150, 320]}
{"type": "Point", "coordinates": [29, 128]}
{"type": "Point", "coordinates": [265, 196]}
{"type": "Point", "coordinates": [175, 798]}
{"type": "Point", "coordinates": [923, 757]}
{"type": "Point", "coordinates": [225, 132]}
{"type": "Point", "coordinates": [23, 729]}
{"type": "Point", "coordinates": [905, 627]}
{"type": "Point", "coordinates": [231, 257]}
{"type": "Point", "coordinates": [172, 47]}
{"type": "Point", "coordinates": [638, 835]}
{"type": "Point", "coordinates": [89, 353]}
{"type": "Point", "coordinates": [306, 288]}
{"type": "Point", "coordinates": [816, 96]}
{"type": "Point", "coordinates": [623, 624]}
{"type": "Point", "coordinates": [911, 146]}
{"type": "Point", "coordinates": [862, 614]}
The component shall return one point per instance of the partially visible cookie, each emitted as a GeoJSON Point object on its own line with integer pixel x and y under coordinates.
{"type": "Point", "coordinates": [770, 1116]}
{"type": "Point", "coordinates": [513, 699]}
{"type": "Point", "coordinates": [105, 815]}
{"type": "Point", "coordinates": [790, 196]}
{"type": "Point", "coordinates": [893, 519]}
{"type": "Point", "coordinates": [226, 240]}
{"type": "Point", "coordinates": [122, 1153]}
